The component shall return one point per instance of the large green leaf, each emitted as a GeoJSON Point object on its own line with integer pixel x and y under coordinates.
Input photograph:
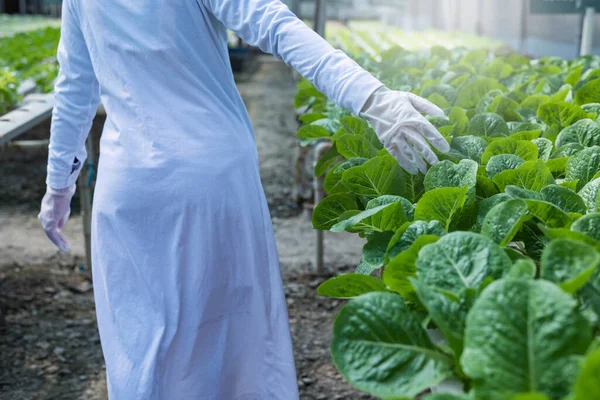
{"type": "Point", "coordinates": [588, 225]}
{"type": "Point", "coordinates": [533, 102]}
{"type": "Point", "coordinates": [471, 147]}
{"type": "Point", "coordinates": [413, 186]}
{"type": "Point", "coordinates": [357, 126]}
{"type": "Point", "coordinates": [393, 217]}
{"type": "Point", "coordinates": [350, 285]}
{"type": "Point", "coordinates": [449, 314]}
{"type": "Point", "coordinates": [502, 162]}
{"type": "Point", "coordinates": [328, 211]}
{"type": "Point", "coordinates": [588, 93]}
{"type": "Point", "coordinates": [557, 166]}
{"type": "Point", "coordinates": [355, 146]}
{"type": "Point", "coordinates": [311, 117]}
{"type": "Point", "coordinates": [592, 108]}
{"type": "Point", "coordinates": [333, 180]}
{"type": "Point", "coordinates": [503, 221]}
{"type": "Point", "coordinates": [564, 198]}
{"type": "Point", "coordinates": [447, 92]}
{"type": "Point", "coordinates": [443, 205]}
{"type": "Point", "coordinates": [327, 160]}
{"type": "Point", "coordinates": [583, 166]}
{"type": "Point", "coordinates": [488, 125]}
{"type": "Point", "coordinates": [567, 150]}
{"type": "Point", "coordinates": [332, 125]}
{"type": "Point", "coordinates": [517, 192]}
{"type": "Point", "coordinates": [524, 336]}
{"type": "Point", "coordinates": [587, 385]}
{"type": "Point", "coordinates": [384, 213]}
{"type": "Point", "coordinates": [487, 204]}
{"type": "Point", "coordinates": [486, 187]}
{"type": "Point", "coordinates": [556, 233]}
{"type": "Point", "coordinates": [447, 174]}
{"type": "Point", "coordinates": [402, 268]}
{"type": "Point", "coordinates": [590, 195]}
{"type": "Point", "coordinates": [377, 177]}
{"type": "Point", "coordinates": [532, 175]}
{"type": "Point", "coordinates": [569, 263]}
{"type": "Point", "coordinates": [310, 133]}
{"type": "Point", "coordinates": [544, 148]}
{"type": "Point", "coordinates": [373, 252]}
{"type": "Point", "coordinates": [409, 233]}
{"type": "Point", "coordinates": [379, 346]}
{"type": "Point", "coordinates": [459, 119]}
{"type": "Point", "coordinates": [524, 149]}
{"type": "Point", "coordinates": [526, 128]}
{"type": "Point", "coordinates": [486, 100]}
{"type": "Point", "coordinates": [461, 260]}
{"type": "Point", "coordinates": [584, 132]}
{"type": "Point", "coordinates": [523, 268]}
{"type": "Point", "coordinates": [469, 94]}
{"type": "Point", "coordinates": [505, 107]}
{"type": "Point", "coordinates": [548, 213]}
{"type": "Point", "coordinates": [560, 114]}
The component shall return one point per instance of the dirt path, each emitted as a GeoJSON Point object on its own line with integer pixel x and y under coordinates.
{"type": "Point", "coordinates": [49, 347]}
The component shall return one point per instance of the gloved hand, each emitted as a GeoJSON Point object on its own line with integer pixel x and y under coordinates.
{"type": "Point", "coordinates": [55, 210]}
{"type": "Point", "coordinates": [397, 120]}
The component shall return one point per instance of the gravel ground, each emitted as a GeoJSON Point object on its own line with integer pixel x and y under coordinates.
{"type": "Point", "coordinates": [49, 346]}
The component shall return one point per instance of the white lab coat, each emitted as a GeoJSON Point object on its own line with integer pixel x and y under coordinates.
{"type": "Point", "coordinates": [187, 285]}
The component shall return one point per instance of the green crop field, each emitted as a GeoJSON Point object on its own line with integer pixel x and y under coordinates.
{"type": "Point", "coordinates": [497, 247]}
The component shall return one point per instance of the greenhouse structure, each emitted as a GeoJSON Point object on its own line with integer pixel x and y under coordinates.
{"type": "Point", "coordinates": [300, 199]}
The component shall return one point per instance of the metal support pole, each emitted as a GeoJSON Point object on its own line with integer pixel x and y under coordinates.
{"type": "Point", "coordinates": [587, 32]}
{"type": "Point", "coordinates": [22, 6]}
{"type": "Point", "coordinates": [85, 195]}
{"type": "Point", "coordinates": [320, 16]}
{"type": "Point", "coordinates": [320, 149]}
{"type": "Point", "coordinates": [523, 33]}
{"type": "Point", "coordinates": [479, 17]}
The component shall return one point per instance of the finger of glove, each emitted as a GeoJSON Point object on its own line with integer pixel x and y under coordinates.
{"type": "Point", "coordinates": [422, 147]}
{"type": "Point", "coordinates": [405, 156]}
{"type": "Point", "coordinates": [64, 220]}
{"type": "Point", "coordinates": [58, 240]}
{"type": "Point", "coordinates": [421, 166]}
{"type": "Point", "coordinates": [425, 106]}
{"type": "Point", "coordinates": [429, 132]}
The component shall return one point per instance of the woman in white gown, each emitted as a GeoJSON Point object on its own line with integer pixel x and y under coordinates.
{"type": "Point", "coordinates": [188, 292]}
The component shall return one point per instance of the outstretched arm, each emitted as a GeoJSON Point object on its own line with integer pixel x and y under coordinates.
{"type": "Point", "coordinates": [395, 116]}
{"type": "Point", "coordinates": [271, 26]}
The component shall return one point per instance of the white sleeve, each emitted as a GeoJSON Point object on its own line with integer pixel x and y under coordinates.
{"type": "Point", "coordinates": [77, 96]}
{"type": "Point", "coordinates": [271, 26]}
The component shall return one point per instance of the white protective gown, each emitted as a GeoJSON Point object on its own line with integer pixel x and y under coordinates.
{"type": "Point", "coordinates": [188, 291]}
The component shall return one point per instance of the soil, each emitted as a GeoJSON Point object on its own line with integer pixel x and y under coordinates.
{"type": "Point", "coordinates": [49, 345]}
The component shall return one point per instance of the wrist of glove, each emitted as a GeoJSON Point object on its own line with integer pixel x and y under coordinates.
{"type": "Point", "coordinates": [54, 213]}
{"type": "Point", "coordinates": [407, 135]}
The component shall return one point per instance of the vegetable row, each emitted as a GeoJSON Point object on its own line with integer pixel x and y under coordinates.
{"type": "Point", "coordinates": [497, 247]}
{"type": "Point", "coordinates": [27, 55]}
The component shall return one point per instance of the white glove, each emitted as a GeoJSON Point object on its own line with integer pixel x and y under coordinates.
{"type": "Point", "coordinates": [55, 210]}
{"type": "Point", "coordinates": [397, 120]}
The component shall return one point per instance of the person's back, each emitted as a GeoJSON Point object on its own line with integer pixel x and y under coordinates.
{"type": "Point", "coordinates": [165, 78]}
